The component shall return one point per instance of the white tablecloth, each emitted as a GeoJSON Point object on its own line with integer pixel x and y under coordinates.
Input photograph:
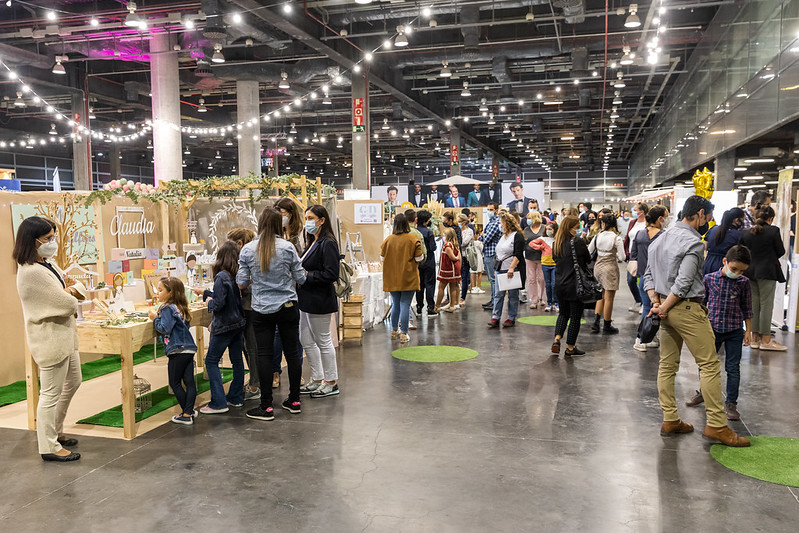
{"type": "Point", "coordinates": [370, 285]}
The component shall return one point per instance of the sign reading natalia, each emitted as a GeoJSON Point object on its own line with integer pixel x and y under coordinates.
{"type": "Point", "coordinates": [358, 120]}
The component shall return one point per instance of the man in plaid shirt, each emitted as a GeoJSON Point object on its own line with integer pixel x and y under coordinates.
{"type": "Point", "coordinates": [490, 237]}
{"type": "Point", "coordinates": [728, 297]}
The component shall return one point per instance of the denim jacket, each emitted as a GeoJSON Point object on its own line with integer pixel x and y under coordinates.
{"type": "Point", "coordinates": [170, 324]}
{"type": "Point", "coordinates": [225, 304]}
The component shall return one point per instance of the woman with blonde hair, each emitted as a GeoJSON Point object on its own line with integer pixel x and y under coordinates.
{"type": "Point", "coordinates": [509, 255]}
{"type": "Point", "coordinates": [535, 275]}
{"type": "Point", "coordinates": [569, 253]}
{"type": "Point", "coordinates": [449, 269]}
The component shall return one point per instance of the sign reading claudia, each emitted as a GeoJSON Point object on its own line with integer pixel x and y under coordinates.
{"type": "Point", "coordinates": [131, 221]}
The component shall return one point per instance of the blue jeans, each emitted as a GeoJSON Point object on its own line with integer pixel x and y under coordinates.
{"type": "Point", "coordinates": [632, 284]}
{"type": "Point", "coordinates": [466, 270]}
{"type": "Point", "coordinates": [401, 310]}
{"type": "Point", "coordinates": [513, 304]}
{"type": "Point", "coordinates": [733, 342]}
{"type": "Point", "coordinates": [549, 282]}
{"type": "Point", "coordinates": [492, 276]}
{"type": "Point", "coordinates": [234, 342]}
{"type": "Point", "coordinates": [646, 303]}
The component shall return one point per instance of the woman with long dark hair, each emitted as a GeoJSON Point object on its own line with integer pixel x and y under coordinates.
{"type": "Point", "coordinates": [270, 265]}
{"type": "Point", "coordinates": [252, 390]}
{"type": "Point", "coordinates": [722, 237]}
{"type": "Point", "coordinates": [401, 253]}
{"type": "Point", "coordinates": [570, 312]}
{"type": "Point", "coordinates": [609, 248]}
{"type": "Point", "coordinates": [318, 302]}
{"type": "Point", "coordinates": [639, 252]}
{"type": "Point", "coordinates": [765, 243]}
{"type": "Point", "coordinates": [49, 305]}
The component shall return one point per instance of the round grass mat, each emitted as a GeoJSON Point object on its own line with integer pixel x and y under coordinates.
{"type": "Point", "coordinates": [772, 459]}
{"type": "Point", "coordinates": [434, 354]}
{"type": "Point", "coordinates": [543, 320]}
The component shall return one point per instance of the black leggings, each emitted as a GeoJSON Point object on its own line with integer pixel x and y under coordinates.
{"type": "Point", "coordinates": [571, 312]}
{"type": "Point", "coordinates": [180, 368]}
{"type": "Point", "coordinates": [285, 321]}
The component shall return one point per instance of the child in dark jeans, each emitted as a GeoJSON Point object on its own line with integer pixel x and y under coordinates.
{"type": "Point", "coordinates": [172, 320]}
{"type": "Point", "coordinates": [729, 301]}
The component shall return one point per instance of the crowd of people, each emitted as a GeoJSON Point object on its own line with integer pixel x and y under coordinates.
{"type": "Point", "coordinates": [708, 287]}
{"type": "Point", "coordinates": [274, 297]}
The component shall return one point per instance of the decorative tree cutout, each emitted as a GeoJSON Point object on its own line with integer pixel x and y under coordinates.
{"type": "Point", "coordinates": [72, 220]}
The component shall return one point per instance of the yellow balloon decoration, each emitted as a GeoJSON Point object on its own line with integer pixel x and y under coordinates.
{"type": "Point", "coordinates": [406, 205]}
{"type": "Point", "coordinates": [703, 183]}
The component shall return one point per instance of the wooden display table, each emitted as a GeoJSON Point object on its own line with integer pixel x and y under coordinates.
{"type": "Point", "coordinates": [124, 340]}
{"type": "Point", "coordinates": [352, 317]}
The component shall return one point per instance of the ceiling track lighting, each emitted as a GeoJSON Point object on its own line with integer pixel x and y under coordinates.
{"type": "Point", "coordinates": [632, 19]}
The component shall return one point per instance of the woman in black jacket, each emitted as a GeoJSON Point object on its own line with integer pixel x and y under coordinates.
{"type": "Point", "coordinates": [571, 309]}
{"type": "Point", "coordinates": [510, 262]}
{"type": "Point", "coordinates": [765, 243]}
{"type": "Point", "coordinates": [318, 302]}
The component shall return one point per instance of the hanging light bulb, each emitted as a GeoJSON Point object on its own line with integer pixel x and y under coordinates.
{"type": "Point", "coordinates": [132, 20]}
{"type": "Point", "coordinates": [293, 129]}
{"type": "Point", "coordinates": [284, 81]}
{"type": "Point", "coordinates": [507, 128]}
{"type": "Point", "coordinates": [385, 125]}
{"type": "Point", "coordinates": [617, 98]}
{"type": "Point", "coordinates": [445, 72]}
{"type": "Point", "coordinates": [632, 20]}
{"type": "Point", "coordinates": [201, 108]}
{"type": "Point", "coordinates": [628, 57]}
{"type": "Point", "coordinates": [614, 114]}
{"type": "Point", "coordinates": [53, 130]}
{"type": "Point", "coordinates": [620, 82]}
{"type": "Point", "coordinates": [218, 155]}
{"type": "Point", "coordinates": [58, 68]}
{"type": "Point", "coordinates": [401, 41]}
{"type": "Point", "coordinates": [466, 92]}
{"type": "Point", "coordinates": [483, 106]}
{"type": "Point", "coordinates": [491, 120]}
{"type": "Point", "coordinates": [315, 138]}
{"type": "Point", "coordinates": [405, 134]}
{"type": "Point", "coordinates": [218, 57]}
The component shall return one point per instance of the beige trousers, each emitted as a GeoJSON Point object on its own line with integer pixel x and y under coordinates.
{"type": "Point", "coordinates": [59, 384]}
{"type": "Point", "coordinates": [687, 322]}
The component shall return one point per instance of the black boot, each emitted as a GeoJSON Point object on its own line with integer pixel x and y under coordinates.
{"type": "Point", "coordinates": [595, 325]}
{"type": "Point", "coordinates": [609, 329]}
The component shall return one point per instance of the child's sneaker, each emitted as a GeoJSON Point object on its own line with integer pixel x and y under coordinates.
{"type": "Point", "coordinates": [261, 414]}
{"type": "Point", "coordinates": [208, 410]}
{"type": "Point", "coordinates": [293, 407]}
{"type": "Point", "coordinates": [185, 420]}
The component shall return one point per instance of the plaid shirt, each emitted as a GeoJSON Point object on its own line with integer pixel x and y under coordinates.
{"type": "Point", "coordinates": [729, 301]}
{"type": "Point", "coordinates": [490, 238]}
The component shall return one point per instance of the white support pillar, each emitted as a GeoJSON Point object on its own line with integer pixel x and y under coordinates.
{"type": "Point", "coordinates": [164, 84]}
{"type": "Point", "coordinates": [248, 111]}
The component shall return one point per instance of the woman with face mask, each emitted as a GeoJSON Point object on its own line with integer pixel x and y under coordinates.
{"type": "Point", "coordinates": [49, 305]}
{"type": "Point", "coordinates": [532, 257]}
{"type": "Point", "coordinates": [318, 302]}
{"type": "Point", "coordinates": [639, 252]}
{"type": "Point", "coordinates": [722, 237]}
{"type": "Point", "coordinates": [544, 246]}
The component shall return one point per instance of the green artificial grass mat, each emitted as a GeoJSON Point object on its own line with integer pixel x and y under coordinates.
{"type": "Point", "coordinates": [542, 320]}
{"type": "Point", "coordinates": [16, 392]}
{"type": "Point", "coordinates": [162, 400]}
{"type": "Point", "coordinates": [434, 354]}
{"type": "Point", "coordinates": [772, 459]}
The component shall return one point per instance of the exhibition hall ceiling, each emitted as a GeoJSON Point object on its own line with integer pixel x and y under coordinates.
{"type": "Point", "coordinates": [545, 85]}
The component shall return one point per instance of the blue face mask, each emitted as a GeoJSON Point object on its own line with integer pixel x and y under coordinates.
{"type": "Point", "coordinates": [311, 227]}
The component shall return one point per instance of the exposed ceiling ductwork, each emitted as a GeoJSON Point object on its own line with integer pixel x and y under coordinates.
{"type": "Point", "coordinates": [573, 10]}
{"type": "Point", "coordinates": [471, 34]}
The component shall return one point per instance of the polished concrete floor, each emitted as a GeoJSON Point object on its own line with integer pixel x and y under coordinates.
{"type": "Point", "coordinates": [514, 440]}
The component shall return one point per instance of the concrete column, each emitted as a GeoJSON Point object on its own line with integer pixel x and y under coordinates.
{"type": "Point", "coordinates": [725, 173]}
{"type": "Point", "coordinates": [248, 109]}
{"type": "Point", "coordinates": [81, 146]}
{"type": "Point", "coordinates": [361, 166]}
{"type": "Point", "coordinates": [164, 86]}
{"type": "Point", "coordinates": [115, 163]}
{"type": "Point", "coordinates": [455, 152]}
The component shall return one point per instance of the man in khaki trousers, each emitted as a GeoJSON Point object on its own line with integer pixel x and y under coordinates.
{"type": "Point", "coordinates": [673, 279]}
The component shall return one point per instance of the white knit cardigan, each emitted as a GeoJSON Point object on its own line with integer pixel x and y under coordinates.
{"type": "Point", "coordinates": [49, 314]}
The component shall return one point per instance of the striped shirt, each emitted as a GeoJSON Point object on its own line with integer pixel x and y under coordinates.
{"type": "Point", "coordinates": [729, 301]}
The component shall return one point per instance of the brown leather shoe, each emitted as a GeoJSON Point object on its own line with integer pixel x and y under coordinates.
{"type": "Point", "coordinates": [725, 436]}
{"type": "Point", "coordinates": [676, 427]}
{"type": "Point", "coordinates": [696, 400]}
{"type": "Point", "coordinates": [732, 411]}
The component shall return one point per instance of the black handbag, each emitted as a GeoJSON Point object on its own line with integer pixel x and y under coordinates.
{"type": "Point", "coordinates": [649, 328]}
{"type": "Point", "coordinates": [588, 288]}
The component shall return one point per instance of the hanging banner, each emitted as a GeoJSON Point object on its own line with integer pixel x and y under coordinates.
{"type": "Point", "coordinates": [358, 119]}
{"type": "Point", "coordinates": [782, 208]}
{"type": "Point", "coordinates": [456, 155]}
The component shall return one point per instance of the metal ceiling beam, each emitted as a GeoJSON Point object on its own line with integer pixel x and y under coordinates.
{"type": "Point", "coordinates": [305, 31]}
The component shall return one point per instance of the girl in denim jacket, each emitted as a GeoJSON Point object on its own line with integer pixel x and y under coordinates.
{"type": "Point", "coordinates": [173, 321]}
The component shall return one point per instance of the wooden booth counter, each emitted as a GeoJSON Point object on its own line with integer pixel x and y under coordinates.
{"type": "Point", "coordinates": [124, 340]}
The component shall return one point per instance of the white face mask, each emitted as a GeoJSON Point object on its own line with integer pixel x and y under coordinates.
{"type": "Point", "coordinates": [285, 221]}
{"type": "Point", "coordinates": [48, 249]}
{"type": "Point", "coordinates": [731, 275]}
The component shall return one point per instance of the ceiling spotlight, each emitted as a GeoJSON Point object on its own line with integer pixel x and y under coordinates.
{"type": "Point", "coordinates": [427, 12]}
{"type": "Point", "coordinates": [387, 44]}
{"type": "Point", "coordinates": [218, 155]}
{"type": "Point", "coordinates": [483, 106]}
{"type": "Point", "coordinates": [293, 128]}
{"type": "Point", "coordinates": [188, 24]}
{"type": "Point", "coordinates": [19, 102]}
{"type": "Point", "coordinates": [530, 17]}
{"type": "Point", "coordinates": [445, 72]}
{"type": "Point", "coordinates": [94, 22]}
{"type": "Point", "coordinates": [576, 81]}
{"type": "Point", "coordinates": [284, 81]}
{"type": "Point", "coordinates": [507, 128]}
{"type": "Point", "coordinates": [620, 82]}
{"type": "Point", "coordinates": [53, 130]}
{"type": "Point", "coordinates": [632, 20]}
{"type": "Point", "coordinates": [91, 114]}
{"type": "Point", "coordinates": [51, 16]}
{"type": "Point", "coordinates": [218, 57]}
{"type": "Point", "coordinates": [627, 58]}
{"type": "Point", "coordinates": [367, 56]}
{"type": "Point", "coordinates": [236, 18]}
{"type": "Point", "coordinates": [491, 120]}
{"type": "Point", "coordinates": [326, 100]}
{"type": "Point", "coordinates": [465, 92]}
{"type": "Point", "coordinates": [557, 89]}
{"type": "Point", "coordinates": [363, 2]}
{"type": "Point", "coordinates": [614, 113]}
{"type": "Point", "coordinates": [58, 68]}
{"type": "Point", "coordinates": [132, 20]}
{"type": "Point", "coordinates": [287, 8]}
{"type": "Point", "coordinates": [356, 69]}
{"type": "Point", "coordinates": [401, 41]}
{"type": "Point", "coordinates": [201, 108]}
{"type": "Point", "coordinates": [595, 74]}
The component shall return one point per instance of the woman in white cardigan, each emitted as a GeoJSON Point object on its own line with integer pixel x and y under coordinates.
{"type": "Point", "coordinates": [49, 305]}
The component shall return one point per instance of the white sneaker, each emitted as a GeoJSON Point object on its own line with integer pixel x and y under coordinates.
{"type": "Point", "coordinates": [654, 344]}
{"type": "Point", "coordinates": [547, 309]}
{"type": "Point", "coordinates": [480, 291]}
{"type": "Point", "coordinates": [411, 325]}
{"type": "Point", "coordinates": [635, 308]}
{"type": "Point", "coordinates": [641, 347]}
{"type": "Point", "coordinates": [555, 309]}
